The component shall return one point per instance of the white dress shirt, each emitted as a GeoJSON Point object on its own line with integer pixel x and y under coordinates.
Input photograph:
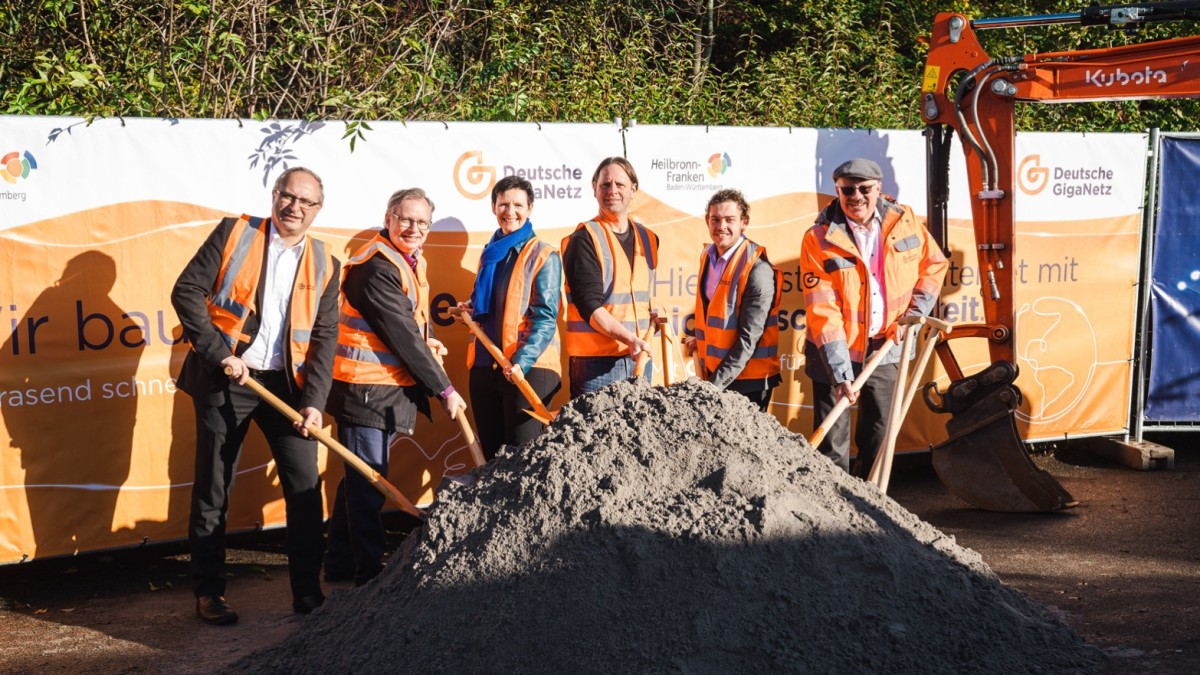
{"type": "Point", "coordinates": [266, 351]}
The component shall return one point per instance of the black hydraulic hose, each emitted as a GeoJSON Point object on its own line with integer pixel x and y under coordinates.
{"type": "Point", "coordinates": [938, 139]}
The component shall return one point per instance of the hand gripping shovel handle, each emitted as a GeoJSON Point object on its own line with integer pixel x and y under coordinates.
{"type": "Point", "coordinates": [387, 489]}
{"type": "Point", "coordinates": [844, 403]}
{"type": "Point", "coordinates": [643, 357]}
{"type": "Point", "coordinates": [539, 412]}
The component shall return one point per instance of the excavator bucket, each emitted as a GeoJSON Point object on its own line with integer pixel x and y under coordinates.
{"type": "Point", "coordinates": [984, 462]}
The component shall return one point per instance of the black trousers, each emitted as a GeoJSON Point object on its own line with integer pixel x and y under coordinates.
{"type": "Point", "coordinates": [874, 400]}
{"type": "Point", "coordinates": [497, 405]}
{"type": "Point", "coordinates": [222, 421]}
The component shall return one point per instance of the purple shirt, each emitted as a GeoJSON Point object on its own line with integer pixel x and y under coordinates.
{"type": "Point", "coordinates": [716, 267]}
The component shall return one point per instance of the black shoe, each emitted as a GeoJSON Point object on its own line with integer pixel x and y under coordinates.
{"type": "Point", "coordinates": [212, 609]}
{"type": "Point", "coordinates": [308, 603]}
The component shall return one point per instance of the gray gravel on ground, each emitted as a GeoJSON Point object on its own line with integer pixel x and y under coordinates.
{"type": "Point", "coordinates": [678, 529]}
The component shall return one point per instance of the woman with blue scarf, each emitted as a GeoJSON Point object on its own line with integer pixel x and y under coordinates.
{"type": "Point", "coordinates": [516, 301]}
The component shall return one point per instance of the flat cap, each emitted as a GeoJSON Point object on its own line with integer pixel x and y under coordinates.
{"type": "Point", "coordinates": [858, 168]}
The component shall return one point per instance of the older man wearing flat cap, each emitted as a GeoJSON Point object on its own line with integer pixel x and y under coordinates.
{"type": "Point", "coordinates": [866, 262]}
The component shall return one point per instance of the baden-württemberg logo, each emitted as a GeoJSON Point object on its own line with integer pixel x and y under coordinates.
{"type": "Point", "coordinates": [718, 164]}
{"type": "Point", "coordinates": [17, 166]}
{"type": "Point", "coordinates": [690, 174]}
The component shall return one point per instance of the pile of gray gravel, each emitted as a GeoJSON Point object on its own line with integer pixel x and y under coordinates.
{"type": "Point", "coordinates": [676, 530]}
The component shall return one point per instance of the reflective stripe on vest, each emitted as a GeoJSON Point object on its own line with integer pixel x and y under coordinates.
{"type": "Point", "coordinates": [361, 357]}
{"type": "Point", "coordinates": [233, 298]}
{"type": "Point", "coordinates": [515, 325]}
{"type": "Point", "coordinates": [627, 290]}
{"type": "Point", "coordinates": [716, 332]}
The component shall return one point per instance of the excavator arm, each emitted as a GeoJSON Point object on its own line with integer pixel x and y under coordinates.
{"type": "Point", "coordinates": [966, 91]}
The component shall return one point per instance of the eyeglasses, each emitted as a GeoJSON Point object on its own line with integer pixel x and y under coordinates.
{"type": "Point", "coordinates": [405, 223]}
{"type": "Point", "coordinates": [288, 198]}
{"type": "Point", "coordinates": [863, 190]}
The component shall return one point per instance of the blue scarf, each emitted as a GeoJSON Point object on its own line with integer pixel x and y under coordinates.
{"type": "Point", "coordinates": [494, 252]}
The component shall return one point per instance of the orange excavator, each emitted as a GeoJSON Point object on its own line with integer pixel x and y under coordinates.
{"type": "Point", "coordinates": [965, 90]}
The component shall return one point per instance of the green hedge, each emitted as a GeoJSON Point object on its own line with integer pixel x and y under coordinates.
{"type": "Point", "coordinates": [822, 63]}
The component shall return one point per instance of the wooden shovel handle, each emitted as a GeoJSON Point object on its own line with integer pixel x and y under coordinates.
{"type": "Point", "coordinates": [666, 356]}
{"type": "Point", "coordinates": [345, 453]}
{"type": "Point", "coordinates": [643, 357]}
{"type": "Point", "coordinates": [844, 403]}
{"type": "Point", "coordinates": [881, 470]}
{"type": "Point", "coordinates": [933, 334]}
{"type": "Point", "coordinates": [523, 385]}
{"type": "Point", "coordinates": [463, 425]}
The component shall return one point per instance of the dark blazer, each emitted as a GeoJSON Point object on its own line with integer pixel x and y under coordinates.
{"type": "Point", "coordinates": [752, 319]}
{"type": "Point", "coordinates": [201, 374]}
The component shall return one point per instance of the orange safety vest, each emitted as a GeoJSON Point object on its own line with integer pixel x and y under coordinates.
{"type": "Point", "coordinates": [627, 290]}
{"type": "Point", "coordinates": [233, 299]}
{"type": "Point", "coordinates": [836, 286]}
{"type": "Point", "coordinates": [716, 331]}
{"type": "Point", "coordinates": [515, 326]}
{"type": "Point", "coordinates": [363, 358]}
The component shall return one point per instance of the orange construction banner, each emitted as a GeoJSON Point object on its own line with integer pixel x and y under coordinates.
{"type": "Point", "coordinates": [97, 219]}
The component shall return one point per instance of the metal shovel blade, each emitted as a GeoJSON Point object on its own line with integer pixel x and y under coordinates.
{"type": "Point", "coordinates": [984, 462]}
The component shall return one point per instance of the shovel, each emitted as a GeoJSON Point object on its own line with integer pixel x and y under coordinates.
{"type": "Point", "coordinates": [904, 391]}
{"type": "Point", "coordinates": [463, 424]}
{"type": "Point", "coordinates": [844, 403]}
{"type": "Point", "coordinates": [345, 453]}
{"type": "Point", "coordinates": [664, 339]}
{"type": "Point", "coordinates": [539, 411]}
{"type": "Point", "coordinates": [643, 357]}
{"type": "Point", "coordinates": [669, 336]}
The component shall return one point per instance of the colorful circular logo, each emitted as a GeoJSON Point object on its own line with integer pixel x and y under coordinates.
{"type": "Point", "coordinates": [16, 166]}
{"type": "Point", "coordinates": [718, 164]}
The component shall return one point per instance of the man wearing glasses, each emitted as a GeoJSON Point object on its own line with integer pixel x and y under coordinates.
{"type": "Point", "coordinates": [259, 300]}
{"type": "Point", "coordinates": [384, 372]}
{"type": "Point", "coordinates": [866, 262]}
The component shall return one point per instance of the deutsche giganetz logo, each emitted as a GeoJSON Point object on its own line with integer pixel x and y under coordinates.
{"type": "Point", "coordinates": [1032, 177]}
{"type": "Point", "coordinates": [16, 166]}
{"type": "Point", "coordinates": [473, 178]}
{"type": "Point", "coordinates": [718, 164]}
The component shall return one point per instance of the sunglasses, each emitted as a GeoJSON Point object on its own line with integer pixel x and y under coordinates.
{"type": "Point", "coordinates": [863, 190]}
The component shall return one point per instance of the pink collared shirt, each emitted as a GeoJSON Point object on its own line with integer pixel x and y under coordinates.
{"type": "Point", "coordinates": [869, 240]}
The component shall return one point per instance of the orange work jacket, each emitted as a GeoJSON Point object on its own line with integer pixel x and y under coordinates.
{"type": "Point", "coordinates": [837, 286]}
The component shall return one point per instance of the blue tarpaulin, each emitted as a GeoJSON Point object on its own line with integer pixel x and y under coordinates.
{"type": "Point", "coordinates": [1174, 391]}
